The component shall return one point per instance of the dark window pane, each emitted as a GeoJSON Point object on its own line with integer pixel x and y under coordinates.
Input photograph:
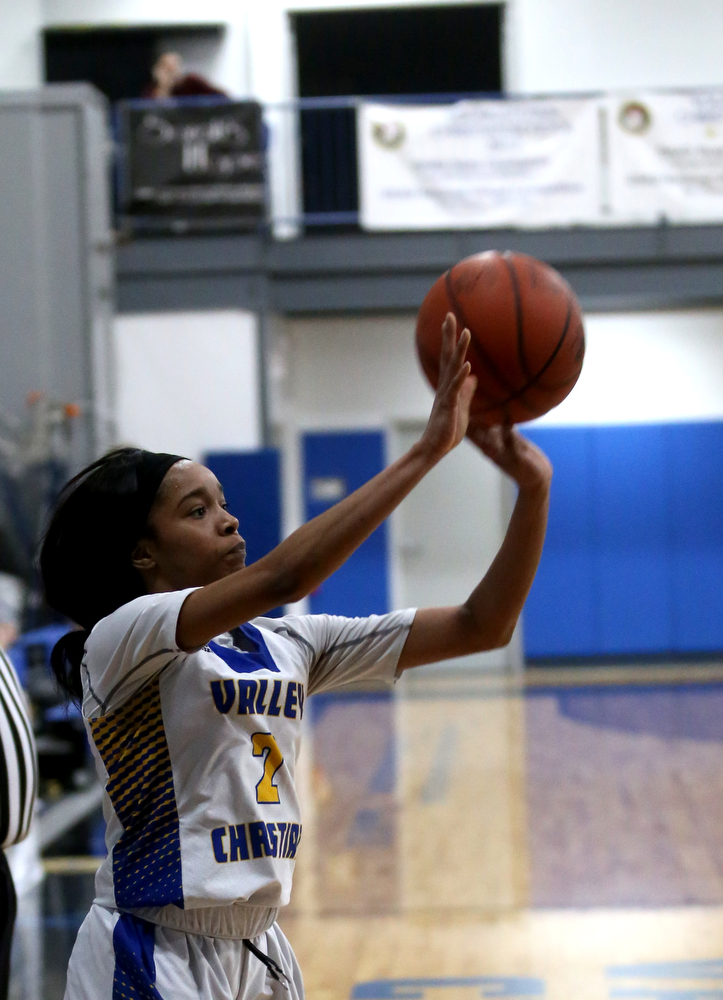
{"type": "Point", "coordinates": [402, 50]}
{"type": "Point", "coordinates": [412, 50]}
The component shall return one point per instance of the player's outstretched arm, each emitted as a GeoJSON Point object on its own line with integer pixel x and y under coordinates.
{"type": "Point", "coordinates": [488, 617]}
{"type": "Point", "coordinates": [312, 553]}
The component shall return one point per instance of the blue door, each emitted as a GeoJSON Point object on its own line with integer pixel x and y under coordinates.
{"type": "Point", "coordinates": [696, 484]}
{"type": "Point", "coordinates": [335, 464]}
{"type": "Point", "coordinates": [632, 527]}
{"type": "Point", "coordinates": [561, 614]}
{"type": "Point", "coordinates": [252, 485]}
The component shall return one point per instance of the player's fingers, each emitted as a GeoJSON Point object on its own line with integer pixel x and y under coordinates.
{"type": "Point", "coordinates": [449, 380]}
{"type": "Point", "coordinates": [457, 381]}
{"type": "Point", "coordinates": [465, 396]}
{"type": "Point", "coordinates": [449, 339]}
{"type": "Point", "coordinates": [457, 359]}
{"type": "Point", "coordinates": [462, 344]}
{"type": "Point", "coordinates": [464, 401]}
{"type": "Point", "coordinates": [469, 388]}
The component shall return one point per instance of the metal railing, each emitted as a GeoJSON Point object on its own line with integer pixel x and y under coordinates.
{"type": "Point", "coordinates": [323, 134]}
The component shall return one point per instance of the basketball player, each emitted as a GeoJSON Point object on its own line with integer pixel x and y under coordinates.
{"type": "Point", "coordinates": [193, 703]}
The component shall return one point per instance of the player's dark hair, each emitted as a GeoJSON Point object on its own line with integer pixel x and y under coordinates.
{"type": "Point", "coordinates": [85, 556]}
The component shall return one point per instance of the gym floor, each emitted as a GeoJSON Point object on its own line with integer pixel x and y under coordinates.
{"type": "Point", "coordinates": [481, 836]}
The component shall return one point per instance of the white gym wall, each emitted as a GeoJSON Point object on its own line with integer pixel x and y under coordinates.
{"type": "Point", "coordinates": [187, 383]}
{"type": "Point", "coordinates": [640, 367]}
{"type": "Point", "coordinates": [648, 367]}
{"type": "Point", "coordinates": [578, 45]}
{"type": "Point", "coordinates": [20, 44]}
{"type": "Point", "coordinates": [550, 45]}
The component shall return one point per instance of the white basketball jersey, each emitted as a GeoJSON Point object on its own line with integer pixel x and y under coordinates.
{"type": "Point", "coordinates": [196, 751]}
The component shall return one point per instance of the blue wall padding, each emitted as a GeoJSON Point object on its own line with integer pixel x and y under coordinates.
{"type": "Point", "coordinates": [697, 541]}
{"type": "Point", "coordinates": [360, 586]}
{"type": "Point", "coordinates": [252, 485]}
{"type": "Point", "coordinates": [633, 561]}
{"type": "Point", "coordinates": [561, 612]}
{"type": "Point", "coordinates": [631, 506]}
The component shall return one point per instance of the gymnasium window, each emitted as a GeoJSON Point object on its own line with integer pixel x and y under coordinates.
{"type": "Point", "coordinates": [450, 49]}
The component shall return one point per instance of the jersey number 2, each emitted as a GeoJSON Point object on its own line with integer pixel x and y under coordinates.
{"type": "Point", "coordinates": [264, 743]}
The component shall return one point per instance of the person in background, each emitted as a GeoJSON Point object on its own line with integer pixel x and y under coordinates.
{"type": "Point", "coordinates": [20, 866]}
{"type": "Point", "coordinates": [170, 80]}
{"type": "Point", "coordinates": [11, 600]}
{"type": "Point", "coordinates": [18, 787]}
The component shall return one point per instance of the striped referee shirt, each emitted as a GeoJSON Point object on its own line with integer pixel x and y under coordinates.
{"type": "Point", "coordinates": [18, 761]}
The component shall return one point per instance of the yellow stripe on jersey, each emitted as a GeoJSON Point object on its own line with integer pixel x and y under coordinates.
{"type": "Point", "coordinates": [132, 744]}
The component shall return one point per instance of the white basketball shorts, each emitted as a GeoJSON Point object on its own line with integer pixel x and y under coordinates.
{"type": "Point", "coordinates": [118, 956]}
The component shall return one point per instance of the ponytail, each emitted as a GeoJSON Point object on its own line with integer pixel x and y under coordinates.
{"type": "Point", "coordinates": [65, 661]}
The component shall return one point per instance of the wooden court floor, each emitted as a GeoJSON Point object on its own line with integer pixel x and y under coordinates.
{"type": "Point", "coordinates": [485, 837]}
{"type": "Point", "coordinates": [556, 836]}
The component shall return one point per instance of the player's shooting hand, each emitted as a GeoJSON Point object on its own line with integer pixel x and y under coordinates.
{"type": "Point", "coordinates": [448, 420]}
{"type": "Point", "coordinates": [522, 460]}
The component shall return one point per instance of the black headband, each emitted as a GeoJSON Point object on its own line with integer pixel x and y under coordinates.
{"type": "Point", "coordinates": [150, 472]}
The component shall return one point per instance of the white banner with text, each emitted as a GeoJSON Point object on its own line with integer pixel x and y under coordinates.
{"type": "Point", "coordinates": [615, 160]}
{"type": "Point", "coordinates": [666, 156]}
{"type": "Point", "coordinates": [480, 164]}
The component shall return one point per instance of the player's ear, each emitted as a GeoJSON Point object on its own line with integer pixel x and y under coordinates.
{"type": "Point", "coordinates": [142, 556]}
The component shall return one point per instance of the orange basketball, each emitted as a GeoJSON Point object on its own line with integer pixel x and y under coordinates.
{"type": "Point", "coordinates": [528, 340]}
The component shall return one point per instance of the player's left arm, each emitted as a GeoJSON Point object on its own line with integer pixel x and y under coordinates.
{"type": "Point", "coordinates": [488, 617]}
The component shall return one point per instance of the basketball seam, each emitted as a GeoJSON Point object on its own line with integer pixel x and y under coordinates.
{"type": "Point", "coordinates": [518, 394]}
{"type": "Point", "coordinates": [561, 385]}
{"type": "Point", "coordinates": [425, 356]}
{"type": "Point", "coordinates": [478, 349]}
{"type": "Point", "coordinates": [514, 281]}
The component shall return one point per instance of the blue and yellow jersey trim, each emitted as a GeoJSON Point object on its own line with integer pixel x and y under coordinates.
{"type": "Point", "coordinates": [133, 747]}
